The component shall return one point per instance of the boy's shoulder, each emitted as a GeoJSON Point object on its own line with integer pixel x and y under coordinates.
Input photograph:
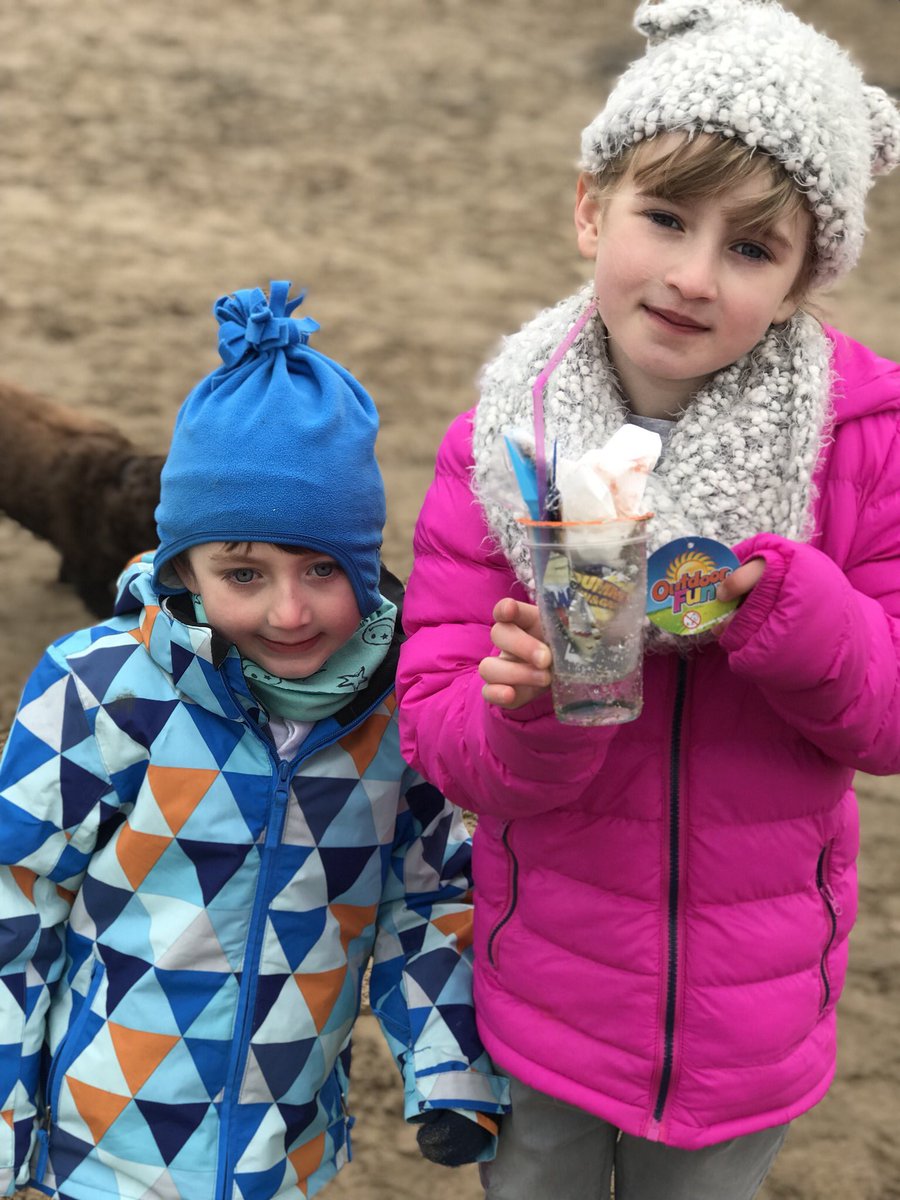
{"type": "Point", "coordinates": [127, 654]}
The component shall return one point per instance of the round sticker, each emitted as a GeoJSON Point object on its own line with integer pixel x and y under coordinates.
{"type": "Point", "coordinates": [682, 578]}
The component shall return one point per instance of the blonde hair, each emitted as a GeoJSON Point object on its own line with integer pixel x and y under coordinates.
{"type": "Point", "coordinates": [708, 165]}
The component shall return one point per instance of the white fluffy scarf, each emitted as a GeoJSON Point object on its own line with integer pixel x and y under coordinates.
{"type": "Point", "coordinates": [742, 454]}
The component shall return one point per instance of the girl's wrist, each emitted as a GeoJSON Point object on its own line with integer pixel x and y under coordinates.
{"type": "Point", "coordinates": [761, 600]}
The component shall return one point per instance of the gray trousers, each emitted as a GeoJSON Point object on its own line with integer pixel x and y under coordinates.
{"type": "Point", "coordinates": [550, 1150]}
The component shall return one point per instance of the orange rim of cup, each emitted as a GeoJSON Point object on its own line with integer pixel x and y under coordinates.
{"type": "Point", "coordinates": [581, 524]}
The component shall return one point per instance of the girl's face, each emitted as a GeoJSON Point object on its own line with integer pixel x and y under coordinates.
{"type": "Point", "coordinates": [286, 612]}
{"type": "Point", "coordinates": [685, 288]}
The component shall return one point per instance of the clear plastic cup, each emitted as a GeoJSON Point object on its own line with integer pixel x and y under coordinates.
{"type": "Point", "coordinates": [590, 584]}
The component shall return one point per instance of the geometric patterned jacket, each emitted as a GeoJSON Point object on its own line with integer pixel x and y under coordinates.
{"type": "Point", "coordinates": [185, 921]}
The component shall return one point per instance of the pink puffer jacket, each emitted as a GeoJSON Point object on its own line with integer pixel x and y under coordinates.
{"type": "Point", "coordinates": [662, 907]}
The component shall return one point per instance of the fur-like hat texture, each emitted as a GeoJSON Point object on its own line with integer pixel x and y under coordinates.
{"type": "Point", "coordinates": [749, 70]}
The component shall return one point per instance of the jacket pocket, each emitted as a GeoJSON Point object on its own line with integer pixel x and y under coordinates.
{"type": "Point", "coordinates": [66, 1053]}
{"type": "Point", "coordinates": [832, 911]}
{"type": "Point", "coordinates": [512, 898]}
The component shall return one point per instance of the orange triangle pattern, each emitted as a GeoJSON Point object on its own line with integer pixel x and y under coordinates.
{"type": "Point", "coordinates": [352, 918]}
{"type": "Point", "coordinates": [98, 1109]}
{"type": "Point", "coordinates": [362, 744]}
{"type": "Point", "coordinates": [320, 991]}
{"type": "Point", "coordinates": [489, 1123]}
{"type": "Point", "coordinates": [7, 1116]}
{"type": "Point", "coordinates": [458, 924]}
{"type": "Point", "coordinates": [25, 881]}
{"type": "Point", "coordinates": [151, 612]}
{"type": "Point", "coordinates": [306, 1158]}
{"type": "Point", "coordinates": [139, 1053]}
{"type": "Point", "coordinates": [138, 853]}
{"type": "Point", "coordinates": [178, 790]}
{"type": "Point", "coordinates": [65, 894]}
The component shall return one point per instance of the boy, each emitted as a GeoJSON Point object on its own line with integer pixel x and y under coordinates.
{"type": "Point", "coordinates": [209, 830]}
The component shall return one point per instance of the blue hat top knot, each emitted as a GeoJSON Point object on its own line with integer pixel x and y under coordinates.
{"type": "Point", "coordinates": [251, 321]}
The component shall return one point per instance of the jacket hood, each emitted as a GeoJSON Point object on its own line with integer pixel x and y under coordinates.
{"type": "Point", "coordinates": [864, 383]}
{"type": "Point", "coordinates": [204, 666]}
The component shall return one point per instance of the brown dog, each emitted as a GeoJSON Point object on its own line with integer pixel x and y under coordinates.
{"type": "Point", "coordinates": [80, 484]}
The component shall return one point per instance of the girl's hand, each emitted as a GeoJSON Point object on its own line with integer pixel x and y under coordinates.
{"type": "Point", "coordinates": [741, 581]}
{"type": "Point", "coordinates": [522, 670]}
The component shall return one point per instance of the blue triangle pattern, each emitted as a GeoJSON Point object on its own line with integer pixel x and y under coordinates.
{"type": "Point", "coordinates": [268, 989]}
{"type": "Point", "coordinates": [412, 940]}
{"type": "Point", "coordinates": [211, 1059]}
{"type": "Point", "coordinates": [143, 720]}
{"type": "Point", "coordinates": [16, 934]}
{"type": "Point", "coordinates": [182, 658]}
{"type": "Point", "coordinates": [74, 723]}
{"type": "Point", "coordinates": [343, 867]}
{"type": "Point", "coordinates": [31, 751]}
{"type": "Point", "coordinates": [298, 932]}
{"type": "Point", "coordinates": [261, 1185]}
{"type": "Point", "coordinates": [80, 789]}
{"type": "Point", "coordinates": [103, 902]}
{"type": "Point", "coordinates": [247, 790]}
{"type": "Point", "coordinates": [219, 738]}
{"type": "Point", "coordinates": [322, 799]}
{"type": "Point", "coordinates": [128, 781]}
{"type": "Point", "coordinates": [189, 992]}
{"type": "Point", "coordinates": [68, 1154]}
{"type": "Point", "coordinates": [282, 1062]}
{"type": "Point", "coordinates": [214, 863]}
{"type": "Point", "coordinates": [246, 1120]}
{"type": "Point", "coordinates": [172, 1124]}
{"type": "Point", "coordinates": [122, 972]}
{"type": "Point", "coordinates": [289, 862]}
{"type": "Point", "coordinates": [297, 1117]}
{"type": "Point", "coordinates": [98, 669]}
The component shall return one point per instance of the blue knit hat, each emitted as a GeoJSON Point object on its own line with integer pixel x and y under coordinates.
{"type": "Point", "coordinates": [276, 445]}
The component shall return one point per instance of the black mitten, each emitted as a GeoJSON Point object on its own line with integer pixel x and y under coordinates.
{"type": "Point", "coordinates": [449, 1138]}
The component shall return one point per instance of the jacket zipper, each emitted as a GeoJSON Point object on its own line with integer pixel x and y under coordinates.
{"type": "Point", "coordinates": [244, 1016]}
{"type": "Point", "coordinates": [833, 910]}
{"type": "Point", "coordinates": [246, 1000]}
{"type": "Point", "coordinates": [513, 896]}
{"type": "Point", "coordinates": [671, 992]}
{"type": "Point", "coordinates": [65, 1055]}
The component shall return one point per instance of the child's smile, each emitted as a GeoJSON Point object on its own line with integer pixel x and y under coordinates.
{"type": "Point", "coordinates": [676, 321]}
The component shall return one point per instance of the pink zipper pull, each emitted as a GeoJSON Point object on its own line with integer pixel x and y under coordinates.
{"type": "Point", "coordinates": [653, 1130]}
{"type": "Point", "coordinates": [832, 899]}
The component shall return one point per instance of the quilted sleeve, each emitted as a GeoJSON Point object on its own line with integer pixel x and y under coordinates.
{"type": "Point", "coordinates": [823, 643]}
{"type": "Point", "coordinates": [421, 982]}
{"type": "Point", "coordinates": [52, 782]}
{"type": "Point", "coordinates": [507, 763]}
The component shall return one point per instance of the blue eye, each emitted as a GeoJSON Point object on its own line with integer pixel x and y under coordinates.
{"type": "Point", "coordinates": [752, 251]}
{"type": "Point", "coordinates": [323, 570]}
{"type": "Point", "coordinates": [665, 219]}
{"type": "Point", "coordinates": [242, 575]}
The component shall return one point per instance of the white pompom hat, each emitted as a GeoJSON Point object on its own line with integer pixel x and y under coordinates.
{"type": "Point", "coordinates": [749, 70]}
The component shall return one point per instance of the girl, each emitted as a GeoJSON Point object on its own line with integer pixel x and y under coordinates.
{"type": "Point", "coordinates": [662, 907]}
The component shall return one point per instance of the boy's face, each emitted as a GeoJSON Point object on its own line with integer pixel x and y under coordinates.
{"type": "Point", "coordinates": [286, 612]}
{"type": "Point", "coordinates": [685, 288]}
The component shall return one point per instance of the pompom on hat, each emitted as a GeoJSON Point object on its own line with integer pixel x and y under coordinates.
{"type": "Point", "coordinates": [749, 70]}
{"type": "Point", "coordinates": [275, 445]}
